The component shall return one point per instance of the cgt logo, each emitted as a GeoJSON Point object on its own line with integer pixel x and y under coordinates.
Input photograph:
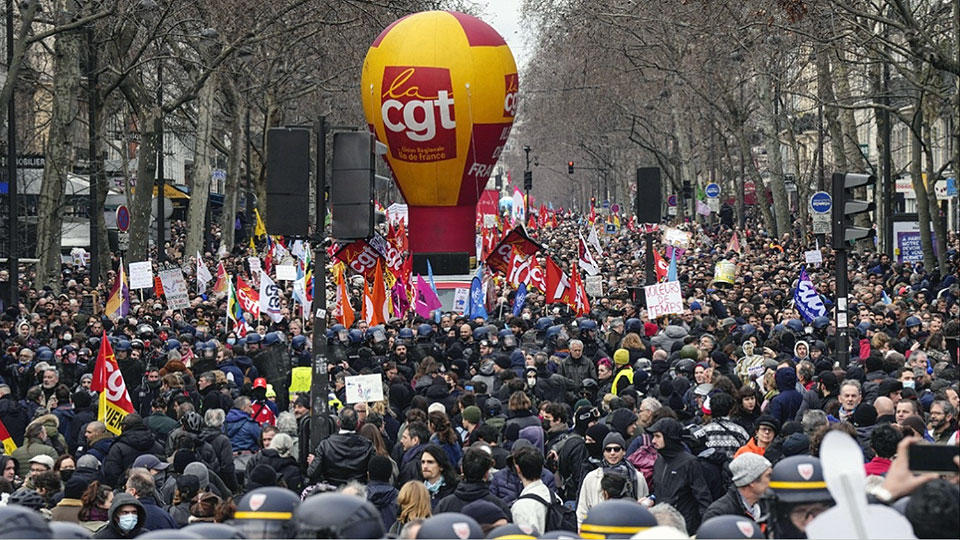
{"type": "Point", "coordinates": [512, 86]}
{"type": "Point", "coordinates": [417, 104]}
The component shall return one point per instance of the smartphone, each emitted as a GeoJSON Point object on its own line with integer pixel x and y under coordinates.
{"type": "Point", "coordinates": [935, 458]}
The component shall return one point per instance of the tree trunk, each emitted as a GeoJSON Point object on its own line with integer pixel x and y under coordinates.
{"type": "Point", "coordinates": [771, 136]}
{"type": "Point", "coordinates": [916, 175]}
{"type": "Point", "coordinates": [683, 151]}
{"type": "Point", "coordinates": [200, 193]}
{"type": "Point", "coordinates": [59, 158]}
{"type": "Point", "coordinates": [149, 119]}
{"type": "Point", "coordinates": [830, 113]}
{"type": "Point", "coordinates": [751, 170]}
{"type": "Point", "coordinates": [933, 204]}
{"type": "Point", "coordinates": [228, 215]}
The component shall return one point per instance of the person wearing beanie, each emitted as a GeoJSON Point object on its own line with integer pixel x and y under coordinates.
{"type": "Point", "coordinates": [796, 444]}
{"type": "Point", "coordinates": [380, 492]}
{"type": "Point", "coordinates": [624, 375]}
{"type": "Point", "coordinates": [766, 429]}
{"type": "Point", "coordinates": [614, 461]}
{"type": "Point", "coordinates": [624, 421]}
{"type": "Point", "coordinates": [751, 479]}
{"type": "Point", "coordinates": [261, 476]}
{"type": "Point", "coordinates": [68, 509]}
{"type": "Point", "coordinates": [470, 420]}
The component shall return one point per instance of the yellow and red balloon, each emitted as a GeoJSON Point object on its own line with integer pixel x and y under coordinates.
{"type": "Point", "coordinates": [440, 90]}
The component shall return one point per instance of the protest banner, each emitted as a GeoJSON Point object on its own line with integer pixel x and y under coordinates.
{"type": "Point", "coordinates": [141, 275]}
{"type": "Point", "coordinates": [175, 288]}
{"type": "Point", "coordinates": [663, 299]}
{"type": "Point", "coordinates": [364, 388]}
{"type": "Point", "coordinates": [724, 272]}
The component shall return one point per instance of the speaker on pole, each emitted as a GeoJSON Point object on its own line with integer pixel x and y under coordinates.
{"type": "Point", "coordinates": [288, 181]}
{"type": "Point", "coordinates": [648, 195]}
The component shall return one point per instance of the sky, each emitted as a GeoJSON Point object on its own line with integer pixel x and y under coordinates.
{"type": "Point", "coordinates": [504, 16]}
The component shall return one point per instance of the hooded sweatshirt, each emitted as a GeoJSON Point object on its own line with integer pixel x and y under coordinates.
{"type": "Point", "coordinates": [112, 529]}
{"type": "Point", "coordinates": [785, 405]}
{"type": "Point", "coordinates": [677, 476]}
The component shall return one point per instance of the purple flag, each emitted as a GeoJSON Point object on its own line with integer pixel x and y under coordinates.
{"type": "Point", "coordinates": [426, 300]}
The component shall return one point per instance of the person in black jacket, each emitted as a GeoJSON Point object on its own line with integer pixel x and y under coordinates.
{"type": "Point", "coordinates": [14, 416]}
{"type": "Point", "coordinates": [476, 465]}
{"type": "Point", "coordinates": [342, 456]}
{"type": "Point", "coordinates": [677, 477]}
{"type": "Point", "coordinates": [135, 439]}
{"type": "Point", "coordinates": [437, 473]}
{"type": "Point", "coordinates": [751, 479]}
{"type": "Point", "coordinates": [412, 442]}
{"type": "Point", "coordinates": [212, 433]}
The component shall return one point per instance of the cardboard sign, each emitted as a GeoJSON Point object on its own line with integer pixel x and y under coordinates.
{"type": "Point", "coordinates": [254, 263]}
{"type": "Point", "coordinates": [141, 275]}
{"type": "Point", "coordinates": [461, 297]}
{"type": "Point", "coordinates": [663, 299]}
{"type": "Point", "coordinates": [676, 238]}
{"type": "Point", "coordinates": [175, 288]}
{"type": "Point", "coordinates": [813, 256]}
{"type": "Point", "coordinates": [593, 285]}
{"type": "Point", "coordinates": [300, 380]}
{"type": "Point", "coordinates": [364, 388]}
{"type": "Point", "coordinates": [724, 272]}
{"type": "Point", "coordinates": [286, 272]}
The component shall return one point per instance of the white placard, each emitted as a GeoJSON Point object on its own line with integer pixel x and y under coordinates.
{"type": "Point", "coordinates": [141, 275]}
{"type": "Point", "coordinates": [364, 388]}
{"type": "Point", "coordinates": [286, 272]}
{"type": "Point", "coordinates": [175, 288]}
{"type": "Point", "coordinates": [593, 285]}
{"type": "Point", "coordinates": [676, 238]}
{"type": "Point", "coordinates": [663, 299]}
{"type": "Point", "coordinates": [461, 297]}
{"type": "Point", "coordinates": [821, 223]}
{"type": "Point", "coordinates": [254, 263]}
{"type": "Point", "coordinates": [813, 256]}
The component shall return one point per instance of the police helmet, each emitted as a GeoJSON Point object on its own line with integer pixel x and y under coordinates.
{"type": "Point", "coordinates": [172, 345]}
{"type": "Point", "coordinates": [634, 325]}
{"type": "Point", "coordinates": [210, 345]}
{"type": "Point", "coordinates": [338, 327]}
{"type": "Point", "coordinates": [299, 342]}
{"type": "Point", "coordinates": [559, 535]}
{"type": "Point", "coordinates": [406, 333]}
{"type": "Point", "coordinates": [588, 325]}
{"type": "Point", "coordinates": [355, 336]}
{"type": "Point", "coordinates": [912, 322]}
{"type": "Point", "coordinates": [21, 522]}
{"type": "Point", "coordinates": [512, 531]}
{"type": "Point", "coordinates": [729, 526]}
{"type": "Point", "coordinates": [821, 322]}
{"type": "Point", "coordinates": [272, 338]}
{"type": "Point", "coordinates": [253, 338]}
{"type": "Point", "coordinates": [795, 326]}
{"type": "Point", "coordinates": [44, 354]}
{"type": "Point", "coordinates": [748, 330]}
{"type": "Point", "coordinates": [123, 345]}
{"type": "Point", "coordinates": [450, 525]}
{"type": "Point", "coordinates": [335, 515]}
{"type": "Point", "coordinates": [799, 479]}
{"type": "Point", "coordinates": [266, 512]}
{"type": "Point", "coordinates": [543, 323]}
{"type": "Point", "coordinates": [93, 343]}
{"type": "Point", "coordinates": [213, 530]}
{"type": "Point", "coordinates": [424, 331]}
{"type": "Point", "coordinates": [616, 518]}
{"type": "Point", "coordinates": [480, 332]}
{"type": "Point", "coordinates": [777, 328]}
{"type": "Point", "coordinates": [68, 530]}
{"type": "Point", "coordinates": [554, 331]}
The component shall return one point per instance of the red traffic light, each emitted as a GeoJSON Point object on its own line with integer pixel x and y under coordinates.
{"type": "Point", "coordinates": [570, 167]}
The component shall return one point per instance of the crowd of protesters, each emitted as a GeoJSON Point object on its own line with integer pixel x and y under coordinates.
{"type": "Point", "coordinates": [704, 422]}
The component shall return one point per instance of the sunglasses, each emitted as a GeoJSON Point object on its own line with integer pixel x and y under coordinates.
{"type": "Point", "coordinates": [613, 449]}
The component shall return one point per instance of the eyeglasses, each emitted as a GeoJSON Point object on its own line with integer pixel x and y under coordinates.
{"type": "Point", "coordinates": [613, 449]}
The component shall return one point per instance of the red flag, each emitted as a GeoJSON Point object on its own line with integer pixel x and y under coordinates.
{"type": "Point", "coordinates": [220, 286]}
{"type": "Point", "coordinates": [248, 298]}
{"type": "Point", "coordinates": [734, 244]}
{"type": "Point", "coordinates": [662, 267]}
{"type": "Point", "coordinates": [115, 402]}
{"type": "Point", "coordinates": [499, 259]}
{"type": "Point", "coordinates": [8, 444]}
{"type": "Point", "coordinates": [558, 284]}
{"type": "Point", "coordinates": [578, 300]}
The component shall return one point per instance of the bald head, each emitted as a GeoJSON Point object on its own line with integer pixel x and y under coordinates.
{"type": "Point", "coordinates": [884, 405]}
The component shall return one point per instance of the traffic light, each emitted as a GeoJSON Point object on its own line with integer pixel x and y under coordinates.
{"type": "Point", "coordinates": [687, 190]}
{"type": "Point", "coordinates": [352, 184]}
{"type": "Point", "coordinates": [570, 167]}
{"type": "Point", "coordinates": [845, 207]}
{"type": "Point", "coordinates": [288, 181]}
{"type": "Point", "coordinates": [593, 201]}
{"type": "Point", "coordinates": [527, 180]}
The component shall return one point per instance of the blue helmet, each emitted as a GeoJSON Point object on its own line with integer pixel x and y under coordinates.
{"type": "Point", "coordinates": [748, 330]}
{"type": "Point", "coordinates": [795, 326]}
{"type": "Point", "coordinates": [543, 323]}
{"type": "Point", "coordinates": [504, 333]}
{"type": "Point", "coordinates": [634, 325]}
{"type": "Point", "coordinates": [864, 327]}
{"type": "Point", "coordinates": [424, 330]}
{"type": "Point", "coordinates": [172, 345]}
{"type": "Point", "coordinates": [554, 330]}
{"type": "Point", "coordinates": [271, 338]}
{"type": "Point", "coordinates": [299, 342]}
{"type": "Point", "coordinates": [913, 321]}
{"type": "Point", "coordinates": [123, 345]}
{"type": "Point", "coordinates": [480, 333]}
{"type": "Point", "coordinates": [44, 354]}
{"type": "Point", "coordinates": [254, 338]}
{"type": "Point", "coordinates": [589, 325]}
{"type": "Point", "coordinates": [821, 322]}
{"type": "Point", "coordinates": [338, 327]}
{"type": "Point", "coordinates": [355, 336]}
{"type": "Point", "coordinates": [406, 333]}
{"type": "Point", "coordinates": [209, 345]}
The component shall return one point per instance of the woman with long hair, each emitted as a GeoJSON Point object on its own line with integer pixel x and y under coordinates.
{"type": "Point", "coordinates": [96, 502]}
{"type": "Point", "coordinates": [414, 502]}
{"type": "Point", "coordinates": [444, 436]}
{"type": "Point", "coordinates": [371, 432]}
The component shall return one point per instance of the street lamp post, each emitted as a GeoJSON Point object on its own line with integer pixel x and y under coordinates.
{"type": "Point", "coordinates": [13, 262]}
{"type": "Point", "coordinates": [93, 170]}
{"type": "Point", "coordinates": [161, 182]}
{"type": "Point", "coordinates": [527, 183]}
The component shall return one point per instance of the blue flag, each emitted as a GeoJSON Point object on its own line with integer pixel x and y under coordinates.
{"type": "Point", "coordinates": [806, 299]}
{"type": "Point", "coordinates": [519, 299]}
{"type": "Point", "coordinates": [477, 309]}
{"type": "Point", "coordinates": [885, 298]}
{"type": "Point", "coordinates": [672, 271]}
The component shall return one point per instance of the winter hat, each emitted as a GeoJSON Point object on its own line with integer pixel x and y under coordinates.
{"type": "Point", "coordinates": [182, 458]}
{"type": "Point", "coordinates": [485, 512]}
{"type": "Point", "coordinates": [200, 471]}
{"type": "Point", "coordinates": [88, 461]}
{"type": "Point", "coordinates": [436, 407]}
{"type": "Point", "coordinates": [380, 468]}
{"type": "Point", "coordinates": [502, 361]}
{"type": "Point", "coordinates": [614, 438]}
{"type": "Point", "coordinates": [769, 421]}
{"type": "Point", "coordinates": [622, 419]}
{"type": "Point", "coordinates": [796, 444]}
{"type": "Point", "coordinates": [263, 475]}
{"type": "Point", "coordinates": [471, 414]}
{"type": "Point", "coordinates": [42, 459]}
{"type": "Point", "coordinates": [621, 357]}
{"type": "Point", "coordinates": [511, 432]}
{"type": "Point", "coordinates": [865, 415]}
{"type": "Point", "coordinates": [74, 488]}
{"type": "Point", "coordinates": [747, 467]}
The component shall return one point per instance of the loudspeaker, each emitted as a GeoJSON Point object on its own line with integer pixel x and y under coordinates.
{"type": "Point", "coordinates": [288, 181]}
{"type": "Point", "coordinates": [352, 185]}
{"type": "Point", "coordinates": [648, 195]}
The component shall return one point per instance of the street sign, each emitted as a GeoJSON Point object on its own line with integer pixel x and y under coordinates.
{"type": "Point", "coordinates": [606, 204]}
{"type": "Point", "coordinates": [714, 205]}
{"type": "Point", "coordinates": [821, 202]}
{"type": "Point", "coordinates": [712, 190]}
{"type": "Point", "coordinates": [123, 218]}
{"type": "Point", "coordinates": [672, 200]}
{"type": "Point", "coordinates": [615, 208]}
{"type": "Point", "coordinates": [821, 223]}
{"type": "Point", "coordinates": [610, 228]}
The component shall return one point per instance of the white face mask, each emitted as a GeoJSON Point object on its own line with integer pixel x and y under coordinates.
{"type": "Point", "coordinates": [127, 522]}
{"type": "Point", "coordinates": [909, 384]}
{"type": "Point", "coordinates": [67, 337]}
{"type": "Point", "coordinates": [531, 382]}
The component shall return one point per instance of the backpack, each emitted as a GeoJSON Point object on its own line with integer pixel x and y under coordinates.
{"type": "Point", "coordinates": [560, 517]}
{"type": "Point", "coordinates": [644, 458]}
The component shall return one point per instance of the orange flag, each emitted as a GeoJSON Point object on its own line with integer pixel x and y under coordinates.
{"type": "Point", "coordinates": [375, 301]}
{"type": "Point", "coordinates": [346, 315]}
{"type": "Point", "coordinates": [220, 286]}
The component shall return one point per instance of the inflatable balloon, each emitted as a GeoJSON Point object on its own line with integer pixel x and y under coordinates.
{"type": "Point", "coordinates": [440, 90]}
